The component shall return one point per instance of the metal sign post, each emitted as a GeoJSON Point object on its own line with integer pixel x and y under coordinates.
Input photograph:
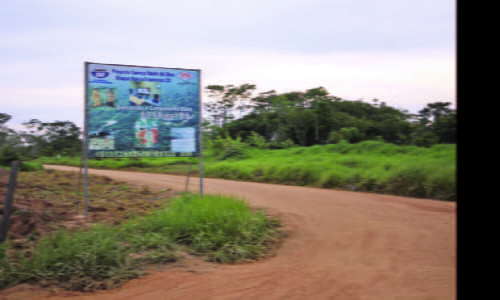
{"type": "Point", "coordinates": [200, 139]}
{"type": "Point", "coordinates": [201, 169]}
{"type": "Point", "coordinates": [86, 146]}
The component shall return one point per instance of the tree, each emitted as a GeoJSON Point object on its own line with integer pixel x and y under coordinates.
{"type": "Point", "coordinates": [50, 138]}
{"type": "Point", "coordinates": [263, 101]}
{"type": "Point", "coordinates": [445, 128]}
{"type": "Point", "coordinates": [426, 139]}
{"type": "Point", "coordinates": [4, 131]}
{"type": "Point", "coordinates": [301, 123]}
{"type": "Point", "coordinates": [315, 117]}
{"type": "Point", "coordinates": [434, 111]}
{"type": "Point", "coordinates": [345, 134]}
{"type": "Point", "coordinates": [242, 96]}
{"type": "Point", "coordinates": [226, 98]}
{"type": "Point", "coordinates": [10, 142]}
{"type": "Point", "coordinates": [439, 119]}
{"type": "Point", "coordinates": [319, 101]}
{"type": "Point", "coordinates": [4, 118]}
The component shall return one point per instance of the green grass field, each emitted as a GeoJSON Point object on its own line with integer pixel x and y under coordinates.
{"type": "Point", "coordinates": [368, 166]}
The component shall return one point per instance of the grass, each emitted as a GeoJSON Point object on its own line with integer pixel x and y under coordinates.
{"type": "Point", "coordinates": [26, 166]}
{"type": "Point", "coordinates": [368, 166]}
{"type": "Point", "coordinates": [83, 260]}
{"type": "Point", "coordinates": [169, 165]}
{"type": "Point", "coordinates": [30, 166]}
{"type": "Point", "coordinates": [222, 228]}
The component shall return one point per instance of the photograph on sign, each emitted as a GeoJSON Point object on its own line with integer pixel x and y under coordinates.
{"type": "Point", "coordinates": [135, 111]}
{"type": "Point", "coordinates": [184, 141]}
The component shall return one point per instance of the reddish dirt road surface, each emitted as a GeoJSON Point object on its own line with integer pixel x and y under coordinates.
{"type": "Point", "coordinates": [343, 246]}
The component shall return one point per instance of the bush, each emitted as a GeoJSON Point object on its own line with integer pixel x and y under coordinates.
{"type": "Point", "coordinates": [8, 155]}
{"type": "Point", "coordinates": [281, 145]}
{"type": "Point", "coordinates": [223, 149]}
{"type": "Point", "coordinates": [222, 227]}
{"type": "Point", "coordinates": [135, 163]}
{"type": "Point", "coordinates": [233, 150]}
{"type": "Point", "coordinates": [427, 139]}
{"type": "Point", "coordinates": [256, 140]}
{"type": "Point", "coordinates": [30, 166]}
{"type": "Point", "coordinates": [349, 134]}
{"type": "Point", "coordinates": [288, 144]}
{"type": "Point", "coordinates": [85, 260]}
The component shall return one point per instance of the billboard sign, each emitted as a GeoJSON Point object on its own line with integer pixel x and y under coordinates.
{"type": "Point", "coordinates": [135, 111]}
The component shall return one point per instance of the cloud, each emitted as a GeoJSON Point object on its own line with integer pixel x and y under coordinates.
{"type": "Point", "coordinates": [401, 52]}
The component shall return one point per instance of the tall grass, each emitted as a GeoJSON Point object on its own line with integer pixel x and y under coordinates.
{"type": "Point", "coordinates": [223, 228]}
{"type": "Point", "coordinates": [83, 260]}
{"type": "Point", "coordinates": [30, 166]}
{"type": "Point", "coordinates": [369, 166]}
{"type": "Point", "coordinates": [161, 164]}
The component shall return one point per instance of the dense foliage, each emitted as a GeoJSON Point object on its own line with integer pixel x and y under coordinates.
{"type": "Point", "coordinates": [315, 117]}
{"type": "Point", "coordinates": [38, 139]}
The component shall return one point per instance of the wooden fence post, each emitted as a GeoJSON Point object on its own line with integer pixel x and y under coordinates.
{"type": "Point", "coordinates": [8, 201]}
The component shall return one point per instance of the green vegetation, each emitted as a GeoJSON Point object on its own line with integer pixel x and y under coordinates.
{"type": "Point", "coordinates": [223, 228]}
{"type": "Point", "coordinates": [84, 260]}
{"type": "Point", "coordinates": [306, 138]}
{"type": "Point", "coordinates": [315, 117]}
{"type": "Point", "coordinates": [30, 166]}
{"type": "Point", "coordinates": [368, 166]}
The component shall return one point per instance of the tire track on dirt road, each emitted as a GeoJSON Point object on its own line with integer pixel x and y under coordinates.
{"type": "Point", "coordinates": [344, 245]}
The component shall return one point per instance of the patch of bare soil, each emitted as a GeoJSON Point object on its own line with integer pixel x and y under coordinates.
{"type": "Point", "coordinates": [48, 200]}
{"type": "Point", "coordinates": [4, 175]}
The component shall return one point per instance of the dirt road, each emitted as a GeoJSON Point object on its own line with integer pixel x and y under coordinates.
{"type": "Point", "coordinates": [344, 245]}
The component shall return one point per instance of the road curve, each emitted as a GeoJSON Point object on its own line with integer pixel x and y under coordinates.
{"type": "Point", "coordinates": [344, 245]}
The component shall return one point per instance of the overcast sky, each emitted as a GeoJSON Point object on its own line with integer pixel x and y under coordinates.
{"type": "Point", "coordinates": [398, 51]}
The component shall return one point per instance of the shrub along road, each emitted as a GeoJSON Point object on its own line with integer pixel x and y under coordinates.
{"type": "Point", "coordinates": [343, 245]}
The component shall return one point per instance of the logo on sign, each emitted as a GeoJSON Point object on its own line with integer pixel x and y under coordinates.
{"type": "Point", "coordinates": [100, 73]}
{"type": "Point", "coordinates": [185, 75]}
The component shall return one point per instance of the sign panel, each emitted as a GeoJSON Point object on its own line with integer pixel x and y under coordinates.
{"type": "Point", "coordinates": [134, 111]}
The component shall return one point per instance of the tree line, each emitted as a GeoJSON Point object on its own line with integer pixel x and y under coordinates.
{"type": "Point", "coordinates": [269, 119]}
{"type": "Point", "coordinates": [316, 117]}
{"type": "Point", "coordinates": [38, 139]}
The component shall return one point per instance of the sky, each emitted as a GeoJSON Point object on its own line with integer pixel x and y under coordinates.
{"type": "Point", "coordinates": [402, 52]}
